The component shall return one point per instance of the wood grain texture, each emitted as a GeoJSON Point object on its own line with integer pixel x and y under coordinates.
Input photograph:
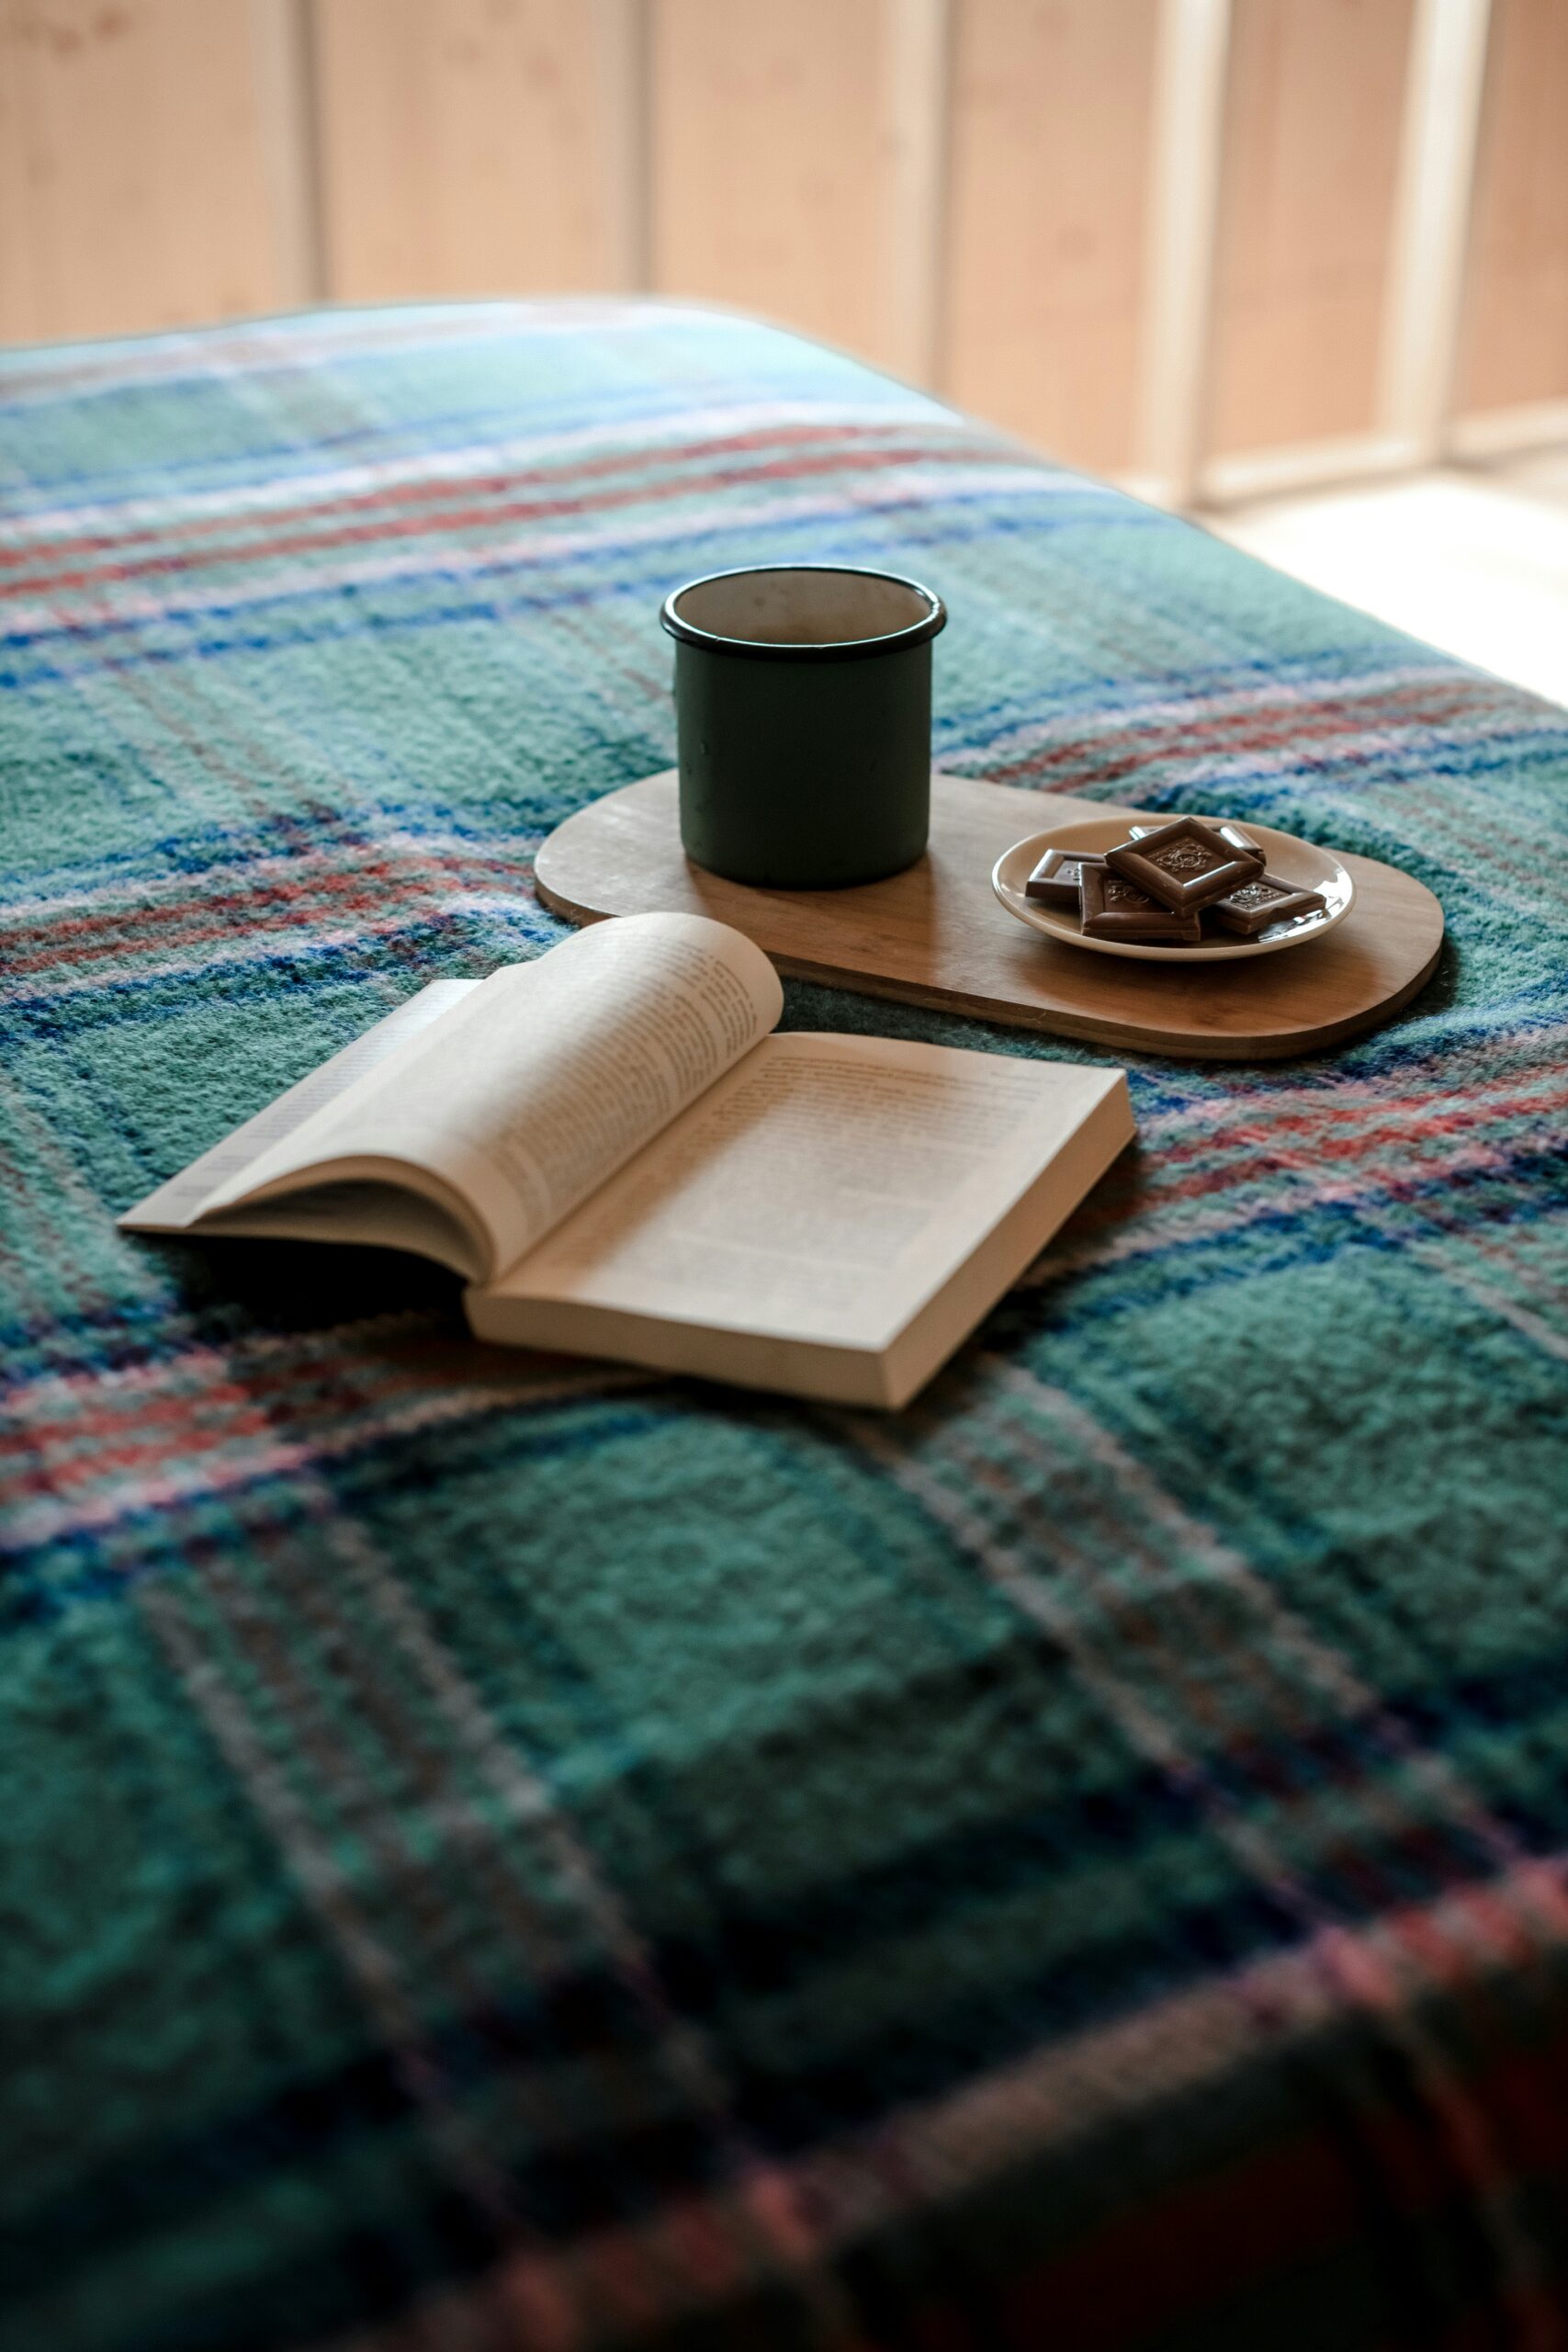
{"type": "Point", "coordinates": [774, 163]}
{"type": "Point", "coordinates": [1313, 119]}
{"type": "Point", "coordinates": [1514, 346]}
{"type": "Point", "coordinates": [1048, 176]}
{"type": "Point", "coordinates": [466, 147]}
{"type": "Point", "coordinates": [134, 187]}
{"type": "Point", "coordinates": [937, 936]}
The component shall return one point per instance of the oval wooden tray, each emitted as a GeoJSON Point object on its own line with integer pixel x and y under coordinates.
{"type": "Point", "coordinates": [935, 934]}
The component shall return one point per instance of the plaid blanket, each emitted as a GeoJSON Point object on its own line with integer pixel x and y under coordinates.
{"type": "Point", "coordinates": [511, 1853]}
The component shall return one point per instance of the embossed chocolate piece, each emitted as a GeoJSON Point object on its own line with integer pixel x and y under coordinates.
{"type": "Point", "coordinates": [1186, 865]}
{"type": "Point", "coordinates": [1114, 908]}
{"type": "Point", "coordinates": [1232, 833]}
{"type": "Point", "coordinates": [1263, 901]}
{"type": "Point", "coordinates": [1056, 880]}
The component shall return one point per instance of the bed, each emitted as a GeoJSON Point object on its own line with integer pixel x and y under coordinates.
{"type": "Point", "coordinates": [502, 1852]}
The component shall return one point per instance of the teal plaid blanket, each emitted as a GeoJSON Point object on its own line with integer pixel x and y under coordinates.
{"type": "Point", "coordinates": [508, 1853]}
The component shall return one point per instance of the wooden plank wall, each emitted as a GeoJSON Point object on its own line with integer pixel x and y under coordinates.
{"type": "Point", "coordinates": [1514, 347]}
{"type": "Point", "coordinates": [134, 171]}
{"type": "Point", "coordinates": [464, 147]}
{"type": "Point", "coordinates": [772, 163]}
{"type": "Point", "coordinates": [959, 189]}
{"type": "Point", "coordinates": [1313, 121]}
{"type": "Point", "coordinates": [1048, 180]}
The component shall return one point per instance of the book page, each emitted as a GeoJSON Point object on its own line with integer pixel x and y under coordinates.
{"type": "Point", "coordinates": [527, 1097]}
{"type": "Point", "coordinates": [182, 1200]}
{"type": "Point", "coordinates": [823, 1190]}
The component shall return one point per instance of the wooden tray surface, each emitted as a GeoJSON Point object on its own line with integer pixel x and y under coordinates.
{"type": "Point", "coordinates": [936, 935]}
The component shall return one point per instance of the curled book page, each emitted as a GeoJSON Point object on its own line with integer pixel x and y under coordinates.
{"type": "Point", "coordinates": [184, 1199]}
{"type": "Point", "coordinates": [544, 1080]}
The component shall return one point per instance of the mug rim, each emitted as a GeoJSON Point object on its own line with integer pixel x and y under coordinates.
{"type": "Point", "coordinates": [843, 648]}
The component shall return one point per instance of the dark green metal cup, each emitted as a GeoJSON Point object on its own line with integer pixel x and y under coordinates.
{"type": "Point", "coordinates": [803, 706]}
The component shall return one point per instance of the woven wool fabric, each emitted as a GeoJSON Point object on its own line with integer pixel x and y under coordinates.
{"type": "Point", "coordinates": [516, 1853]}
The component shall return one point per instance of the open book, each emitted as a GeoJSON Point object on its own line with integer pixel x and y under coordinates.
{"type": "Point", "coordinates": [623, 1161]}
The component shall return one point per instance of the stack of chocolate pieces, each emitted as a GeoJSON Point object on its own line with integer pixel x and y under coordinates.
{"type": "Point", "coordinates": [1169, 885]}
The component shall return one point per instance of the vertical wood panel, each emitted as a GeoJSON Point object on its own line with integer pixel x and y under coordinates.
{"type": "Point", "coordinates": [1050, 144]}
{"type": "Point", "coordinates": [281, 37]}
{"type": "Point", "coordinates": [774, 162]}
{"type": "Point", "coordinates": [1424, 291]}
{"type": "Point", "coordinates": [133, 182]}
{"type": "Point", "coordinates": [1314, 115]}
{"type": "Point", "coordinates": [1187, 144]}
{"type": "Point", "coordinates": [466, 147]}
{"type": "Point", "coordinates": [620, 31]}
{"type": "Point", "coordinates": [915, 201]}
{"type": "Point", "coordinates": [1514, 343]}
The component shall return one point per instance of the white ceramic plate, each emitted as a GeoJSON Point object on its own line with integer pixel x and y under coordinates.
{"type": "Point", "coordinates": [1286, 855]}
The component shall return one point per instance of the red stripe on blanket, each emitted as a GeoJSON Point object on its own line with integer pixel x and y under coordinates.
{"type": "Point", "coordinates": [434, 487]}
{"type": "Point", "coordinates": [1300, 728]}
{"type": "Point", "coordinates": [272, 903]}
{"type": "Point", "coordinates": [1191, 2251]}
{"type": "Point", "coordinates": [477, 518]}
{"type": "Point", "coordinates": [1503, 1100]}
{"type": "Point", "coordinates": [97, 1447]}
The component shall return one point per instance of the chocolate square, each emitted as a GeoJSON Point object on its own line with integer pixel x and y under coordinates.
{"type": "Point", "coordinates": [1264, 901]}
{"type": "Point", "coordinates": [1055, 881]}
{"type": "Point", "coordinates": [1232, 833]}
{"type": "Point", "coordinates": [1188, 864]}
{"type": "Point", "coordinates": [1114, 908]}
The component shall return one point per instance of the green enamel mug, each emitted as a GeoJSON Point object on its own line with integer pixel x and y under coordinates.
{"type": "Point", "coordinates": [802, 711]}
